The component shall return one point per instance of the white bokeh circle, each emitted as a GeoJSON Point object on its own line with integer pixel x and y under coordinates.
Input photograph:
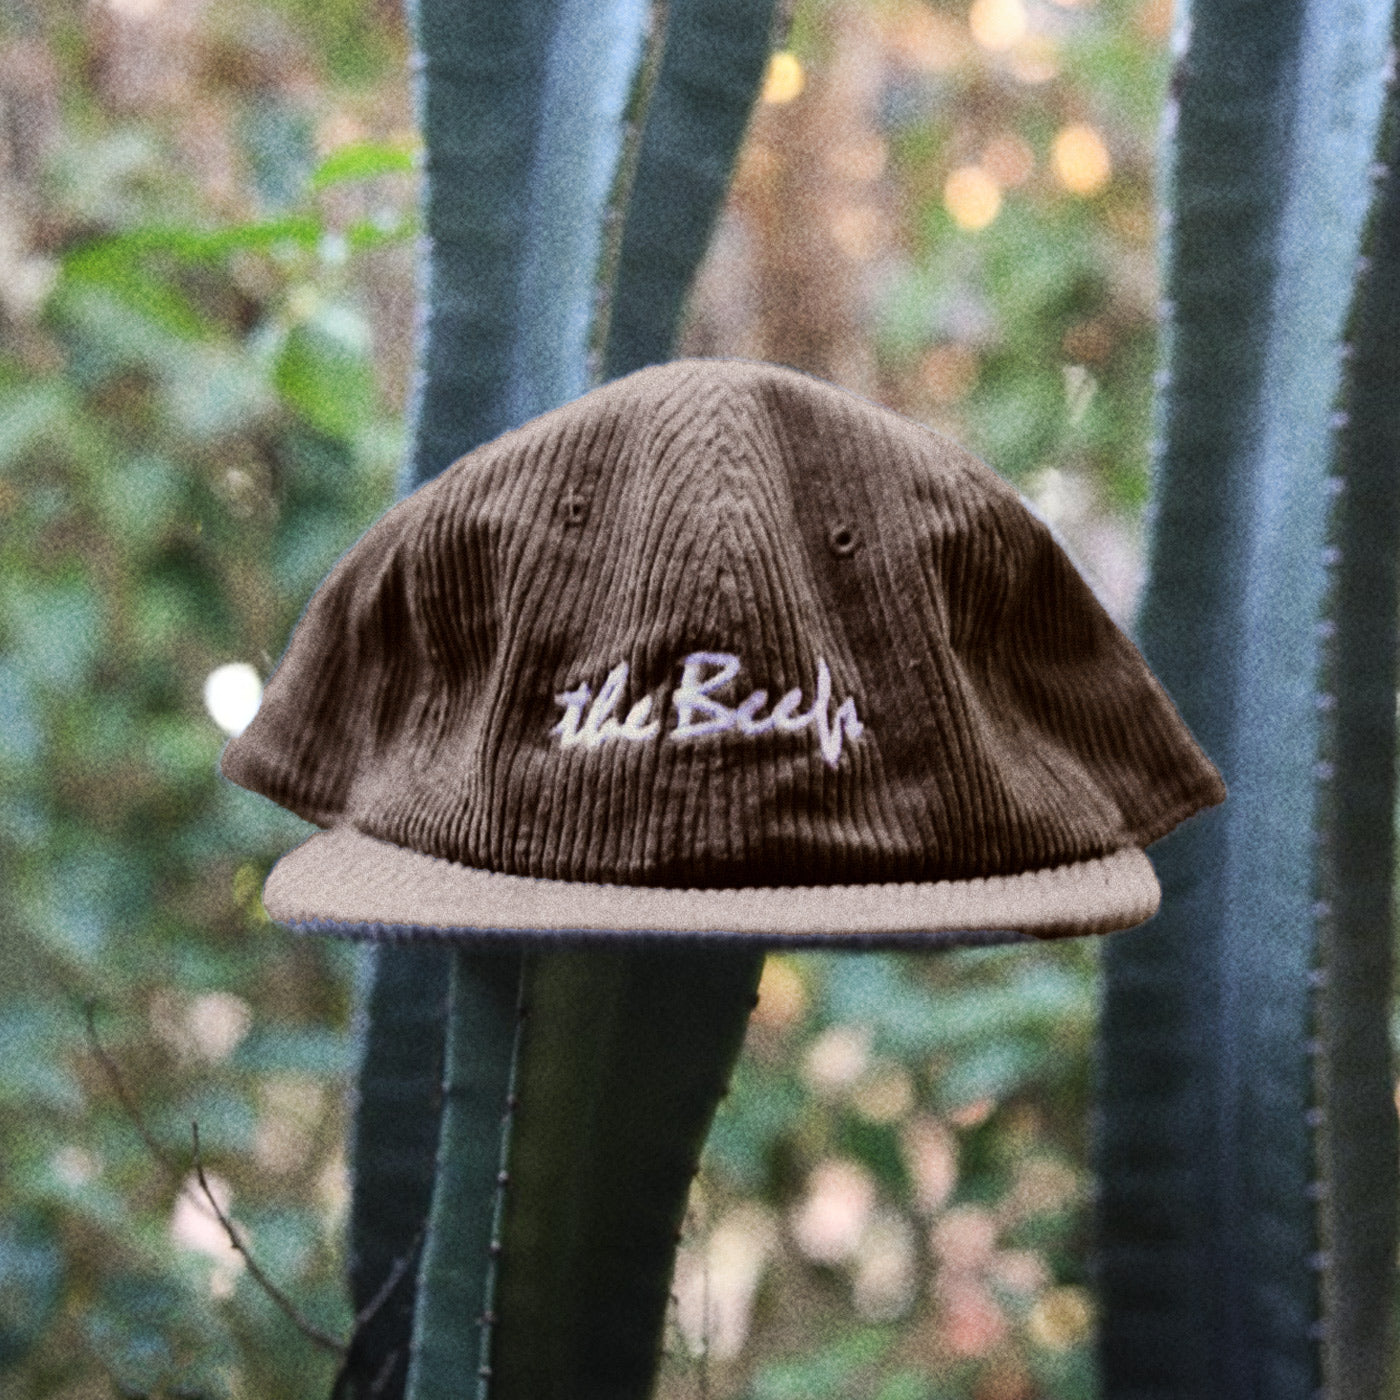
{"type": "Point", "coordinates": [232, 694]}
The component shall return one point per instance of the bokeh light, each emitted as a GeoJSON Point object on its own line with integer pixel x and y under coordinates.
{"type": "Point", "coordinates": [782, 996]}
{"type": "Point", "coordinates": [830, 1221]}
{"type": "Point", "coordinates": [195, 1226]}
{"type": "Point", "coordinates": [997, 24]}
{"type": "Point", "coordinates": [785, 78]}
{"type": "Point", "coordinates": [1061, 1318]}
{"type": "Point", "coordinates": [1034, 60]}
{"type": "Point", "coordinates": [232, 694]}
{"type": "Point", "coordinates": [1080, 159]}
{"type": "Point", "coordinates": [972, 198]}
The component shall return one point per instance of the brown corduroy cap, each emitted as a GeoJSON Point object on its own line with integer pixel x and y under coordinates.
{"type": "Point", "coordinates": [717, 650]}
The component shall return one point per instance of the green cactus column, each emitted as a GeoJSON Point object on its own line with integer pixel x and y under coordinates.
{"type": "Point", "coordinates": [544, 166]}
{"type": "Point", "coordinates": [1359, 1138]}
{"type": "Point", "coordinates": [625, 1055]}
{"type": "Point", "coordinates": [1211, 1263]}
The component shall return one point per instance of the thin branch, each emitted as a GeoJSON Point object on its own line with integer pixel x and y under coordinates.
{"type": "Point", "coordinates": [166, 1161]}
{"type": "Point", "coordinates": [204, 1198]}
{"type": "Point", "coordinates": [370, 1311]}
{"type": "Point", "coordinates": [176, 1172]}
{"type": "Point", "coordinates": [391, 1282]}
{"type": "Point", "coordinates": [308, 1330]}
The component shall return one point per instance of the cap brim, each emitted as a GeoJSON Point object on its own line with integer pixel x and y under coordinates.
{"type": "Point", "coordinates": [344, 882]}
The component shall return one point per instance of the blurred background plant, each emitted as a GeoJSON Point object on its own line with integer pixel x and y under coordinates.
{"type": "Point", "coordinates": [206, 301]}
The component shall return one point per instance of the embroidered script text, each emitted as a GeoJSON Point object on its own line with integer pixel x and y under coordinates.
{"type": "Point", "coordinates": [592, 720]}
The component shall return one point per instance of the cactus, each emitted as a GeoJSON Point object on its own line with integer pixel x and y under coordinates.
{"type": "Point", "coordinates": [1360, 1144]}
{"type": "Point", "coordinates": [715, 55]}
{"type": "Point", "coordinates": [1228, 1084]}
{"type": "Point", "coordinates": [624, 1056]}
{"type": "Point", "coordinates": [547, 257]}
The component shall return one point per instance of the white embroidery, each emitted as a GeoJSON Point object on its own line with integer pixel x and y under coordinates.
{"type": "Point", "coordinates": [600, 726]}
{"type": "Point", "coordinates": [699, 713]}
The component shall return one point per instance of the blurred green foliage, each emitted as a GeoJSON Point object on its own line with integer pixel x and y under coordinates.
{"type": "Point", "coordinates": [190, 433]}
{"type": "Point", "coordinates": [206, 252]}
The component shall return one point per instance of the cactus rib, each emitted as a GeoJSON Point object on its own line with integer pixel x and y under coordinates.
{"type": "Point", "coordinates": [452, 1325]}
{"type": "Point", "coordinates": [1208, 1231]}
{"type": "Point", "coordinates": [1359, 1138]}
{"type": "Point", "coordinates": [625, 1057]}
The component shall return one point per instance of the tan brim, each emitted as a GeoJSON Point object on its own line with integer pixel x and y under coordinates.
{"type": "Point", "coordinates": [342, 881]}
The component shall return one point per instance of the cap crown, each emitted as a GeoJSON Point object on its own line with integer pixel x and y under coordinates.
{"type": "Point", "coordinates": [721, 624]}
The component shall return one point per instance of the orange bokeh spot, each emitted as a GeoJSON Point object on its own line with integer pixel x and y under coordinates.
{"type": "Point", "coordinates": [997, 24]}
{"type": "Point", "coordinates": [972, 197]}
{"type": "Point", "coordinates": [1081, 160]}
{"type": "Point", "coordinates": [785, 78]}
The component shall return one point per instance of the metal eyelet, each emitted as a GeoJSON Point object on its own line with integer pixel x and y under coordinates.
{"type": "Point", "coordinates": [574, 508]}
{"type": "Point", "coordinates": [843, 541]}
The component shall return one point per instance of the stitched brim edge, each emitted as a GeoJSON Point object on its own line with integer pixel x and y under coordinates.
{"type": "Point", "coordinates": [345, 883]}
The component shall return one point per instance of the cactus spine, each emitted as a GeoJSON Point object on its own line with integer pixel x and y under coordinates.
{"type": "Point", "coordinates": [1208, 1147]}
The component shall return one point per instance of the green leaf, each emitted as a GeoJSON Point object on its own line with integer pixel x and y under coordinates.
{"type": "Point", "coordinates": [323, 371]}
{"type": "Point", "coordinates": [760, 1110]}
{"type": "Point", "coordinates": [33, 1071]}
{"type": "Point", "coordinates": [362, 160]}
{"type": "Point", "coordinates": [31, 413]}
{"type": "Point", "coordinates": [21, 727]}
{"type": "Point", "coordinates": [117, 258]}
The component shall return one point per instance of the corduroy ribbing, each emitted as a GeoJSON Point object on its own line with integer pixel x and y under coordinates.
{"type": "Point", "coordinates": [722, 508]}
